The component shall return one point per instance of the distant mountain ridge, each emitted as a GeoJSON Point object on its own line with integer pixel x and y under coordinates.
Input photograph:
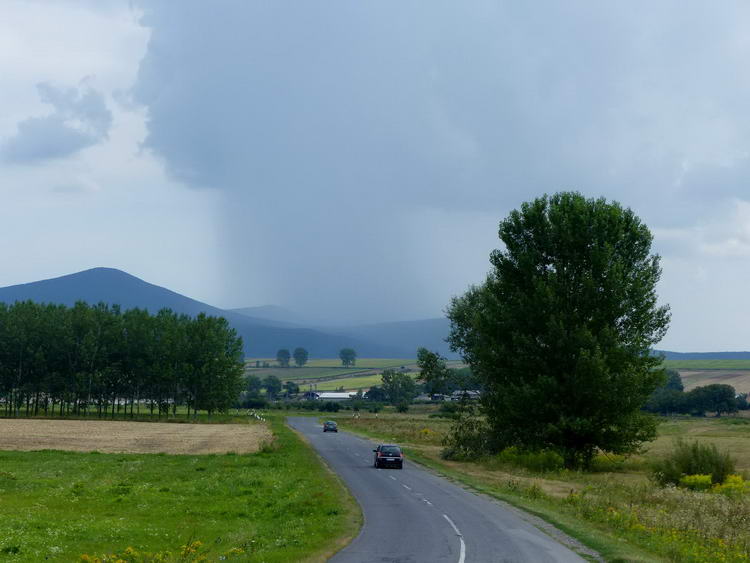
{"type": "Point", "coordinates": [397, 335]}
{"type": "Point", "coordinates": [262, 338]}
{"type": "Point", "coordinates": [265, 329]}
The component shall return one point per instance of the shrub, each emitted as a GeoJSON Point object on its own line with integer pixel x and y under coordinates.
{"type": "Point", "coordinates": [539, 461]}
{"type": "Point", "coordinates": [468, 439]}
{"type": "Point", "coordinates": [734, 486]}
{"type": "Point", "coordinates": [328, 406]}
{"type": "Point", "coordinates": [402, 407]}
{"type": "Point", "coordinates": [254, 403]}
{"type": "Point", "coordinates": [449, 409]}
{"type": "Point", "coordinates": [693, 458]}
{"type": "Point", "coordinates": [696, 482]}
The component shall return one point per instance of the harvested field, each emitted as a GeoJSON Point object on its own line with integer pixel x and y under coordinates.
{"type": "Point", "coordinates": [739, 379]}
{"type": "Point", "coordinates": [131, 437]}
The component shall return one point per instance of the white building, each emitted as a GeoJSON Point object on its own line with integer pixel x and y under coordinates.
{"type": "Point", "coordinates": [332, 396]}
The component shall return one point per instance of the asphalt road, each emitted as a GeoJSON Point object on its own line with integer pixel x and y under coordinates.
{"type": "Point", "coordinates": [414, 516]}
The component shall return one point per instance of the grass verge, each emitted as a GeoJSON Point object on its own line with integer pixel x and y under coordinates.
{"type": "Point", "coordinates": [614, 510]}
{"type": "Point", "coordinates": [271, 506]}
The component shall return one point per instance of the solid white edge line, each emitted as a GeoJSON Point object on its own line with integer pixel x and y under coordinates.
{"type": "Point", "coordinates": [462, 553]}
{"type": "Point", "coordinates": [407, 487]}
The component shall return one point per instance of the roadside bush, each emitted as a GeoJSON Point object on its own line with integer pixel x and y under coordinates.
{"type": "Point", "coordinates": [693, 458]}
{"type": "Point", "coordinates": [734, 486]}
{"type": "Point", "coordinates": [449, 409]}
{"type": "Point", "coordinates": [467, 439]}
{"type": "Point", "coordinates": [402, 407]}
{"type": "Point", "coordinates": [539, 461]}
{"type": "Point", "coordinates": [696, 482]}
{"type": "Point", "coordinates": [254, 403]}
{"type": "Point", "coordinates": [329, 407]}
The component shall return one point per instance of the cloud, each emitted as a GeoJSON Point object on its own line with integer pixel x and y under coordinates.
{"type": "Point", "coordinates": [732, 237]}
{"type": "Point", "coordinates": [80, 119]}
{"type": "Point", "coordinates": [330, 128]}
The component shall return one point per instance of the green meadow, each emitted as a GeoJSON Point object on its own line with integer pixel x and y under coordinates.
{"type": "Point", "coordinates": [271, 506]}
{"type": "Point", "coordinates": [319, 370]}
{"type": "Point", "coordinates": [707, 364]}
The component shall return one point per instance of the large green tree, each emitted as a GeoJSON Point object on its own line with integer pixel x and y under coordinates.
{"type": "Point", "coordinates": [300, 356]}
{"type": "Point", "coordinates": [560, 332]}
{"type": "Point", "coordinates": [398, 387]}
{"type": "Point", "coordinates": [272, 385]}
{"type": "Point", "coordinates": [348, 356]}
{"type": "Point", "coordinates": [433, 372]}
{"type": "Point", "coordinates": [283, 356]}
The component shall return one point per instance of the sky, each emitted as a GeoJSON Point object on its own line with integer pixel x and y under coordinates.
{"type": "Point", "coordinates": [352, 160]}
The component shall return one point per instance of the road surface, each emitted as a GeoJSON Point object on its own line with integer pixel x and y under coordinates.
{"type": "Point", "coordinates": [414, 516]}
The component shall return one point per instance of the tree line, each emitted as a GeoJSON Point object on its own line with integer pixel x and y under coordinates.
{"type": "Point", "coordinates": [348, 357]}
{"type": "Point", "coordinates": [671, 398]}
{"type": "Point", "coordinates": [99, 360]}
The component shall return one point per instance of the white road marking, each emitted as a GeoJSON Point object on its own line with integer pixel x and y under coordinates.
{"type": "Point", "coordinates": [462, 554]}
{"type": "Point", "coordinates": [407, 487]}
{"type": "Point", "coordinates": [427, 501]}
{"type": "Point", "coordinates": [392, 477]}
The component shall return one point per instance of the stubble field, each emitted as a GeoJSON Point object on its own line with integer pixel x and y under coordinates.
{"type": "Point", "coordinates": [131, 437]}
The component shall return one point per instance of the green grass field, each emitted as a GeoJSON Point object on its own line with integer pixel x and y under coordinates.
{"type": "Point", "coordinates": [272, 506]}
{"type": "Point", "coordinates": [707, 364]}
{"type": "Point", "coordinates": [326, 369]}
{"type": "Point", "coordinates": [304, 374]}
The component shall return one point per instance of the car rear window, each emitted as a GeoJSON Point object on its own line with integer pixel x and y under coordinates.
{"type": "Point", "coordinates": [390, 450]}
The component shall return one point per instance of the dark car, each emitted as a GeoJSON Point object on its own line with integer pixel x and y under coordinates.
{"type": "Point", "coordinates": [389, 455]}
{"type": "Point", "coordinates": [330, 426]}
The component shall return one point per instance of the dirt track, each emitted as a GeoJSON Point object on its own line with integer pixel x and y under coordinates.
{"type": "Point", "coordinates": [131, 437]}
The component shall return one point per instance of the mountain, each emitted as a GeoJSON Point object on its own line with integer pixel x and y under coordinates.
{"type": "Point", "coordinates": [273, 313]}
{"type": "Point", "coordinates": [407, 335]}
{"type": "Point", "coordinates": [401, 337]}
{"type": "Point", "coordinates": [262, 337]}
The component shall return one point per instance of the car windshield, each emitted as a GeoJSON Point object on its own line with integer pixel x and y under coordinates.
{"type": "Point", "coordinates": [390, 450]}
{"type": "Point", "coordinates": [330, 423]}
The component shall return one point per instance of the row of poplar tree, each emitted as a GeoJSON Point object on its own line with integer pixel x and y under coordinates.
{"type": "Point", "coordinates": [97, 360]}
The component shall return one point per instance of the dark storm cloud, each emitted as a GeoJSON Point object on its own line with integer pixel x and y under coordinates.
{"type": "Point", "coordinates": [331, 126]}
{"type": "Point", "coordinates": [80, 119]}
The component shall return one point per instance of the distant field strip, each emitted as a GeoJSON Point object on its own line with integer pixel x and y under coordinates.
{"type": "Point", "coordinates": [131, 437]}
{"type": "Point", "coordinates": [324, 369]}
{"type": "Point", "coordinates": [304, 374]}
{"type": "Point", "coordinates": [352, 383]}
{"type": "Point", "coordinates": [738, 379]}
{"type": "Point", "coordinates": [707, 364]}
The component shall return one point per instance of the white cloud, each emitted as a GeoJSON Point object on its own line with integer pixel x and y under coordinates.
{"type": "Point", "coordinates": [80, 119]}
{"type": "Point", "coordinates": [730, 238]}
